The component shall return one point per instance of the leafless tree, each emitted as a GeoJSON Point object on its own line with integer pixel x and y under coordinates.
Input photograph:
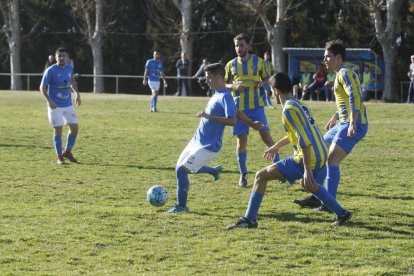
{"type": "Point", "coordinates": [385, 14]}
{"type": "Point", "coordinates": [11, 15]}
{"type": "Point", "coordinates": [91, 23]}
{"type": "Point", "coordinates": [276, 31]}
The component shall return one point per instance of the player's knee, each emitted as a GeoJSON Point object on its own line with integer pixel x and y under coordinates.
{"type": "Point", "coordinates": [180, 170]}
{"type": "Point", "coordinates": [261, 176]}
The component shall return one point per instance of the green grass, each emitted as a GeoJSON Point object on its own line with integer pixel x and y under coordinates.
{"type": "Point", "coordinates": [93, 217]}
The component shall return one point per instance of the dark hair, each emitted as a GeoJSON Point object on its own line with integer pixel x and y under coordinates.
{"type": "Point", "coordinates": [215, 68]}
{"type": "Point", "coordinates": [282, 82]}
{"type": "Point", "coordinates": [336, 47]}
{"type": "Point", "coordinates": [242, 37]}
{"type": "Point", "coordinates": [61, 50]}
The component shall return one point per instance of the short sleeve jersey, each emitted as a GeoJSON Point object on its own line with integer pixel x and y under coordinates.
{"type": "Point", "coordinates": [58, 81]}
{"type": "Point", "coordinates": [302, 131]}
{"type": "Point", "coordinates": [209, 134]}
{"type": "Point", "coordinates": [348, 96]}
{"type": "Point", "coordinates": [248, 73]}
{"type": "Point", "coordinates": [154, 68]}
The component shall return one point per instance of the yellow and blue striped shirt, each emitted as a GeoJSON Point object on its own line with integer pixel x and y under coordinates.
{"type": "Point", "coordinates": [302, 131]}
{"type": "Point", "coordinates": [348, 95]}
{"type": "Point", "coordinates": [248, 74]}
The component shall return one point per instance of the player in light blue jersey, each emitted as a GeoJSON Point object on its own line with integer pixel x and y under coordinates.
{"type": "Point", "coordinates": [207, 141]}
{"type": "Point", "coordinates": [349, 124]}
{"type": "Point", "coordinates": [154, 71]}
{"type": "Point", "coordinates": [57, 84]}
{"type": "Point", "coordinates": [310, 154]}
{"type": "Point", "coordinates": [245, 76]}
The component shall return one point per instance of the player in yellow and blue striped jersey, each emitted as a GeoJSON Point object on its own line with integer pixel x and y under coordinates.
{"type": "Point", "coordinates": [245, 76]}
{"type": "Point", "coordinates": [308, 160]}
{"type": "Point", "coordinates": [349, 124]}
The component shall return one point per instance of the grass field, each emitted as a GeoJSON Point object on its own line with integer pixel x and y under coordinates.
{"type": "Point", "coordinates": [93, 217]}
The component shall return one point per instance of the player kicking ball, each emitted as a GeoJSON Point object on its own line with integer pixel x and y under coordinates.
{"type": "Point", "coordinates": [310, 154]}
{"type": "Point", "coordinates": [207, 141]}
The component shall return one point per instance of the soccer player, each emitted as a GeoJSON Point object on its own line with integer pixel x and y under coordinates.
{"type": "Point", "coordinates": [348, 125]}
{"type": "Point", "coordinates": [207, 141]}
{"type": "Point", "coordinates": [57, 83]}
{"type": "Point", "coordinates": [245, 76]}
{"type": "Point", "coordinates": [310, 153]}
{"type": "Point", "coordinates": [154, 70]}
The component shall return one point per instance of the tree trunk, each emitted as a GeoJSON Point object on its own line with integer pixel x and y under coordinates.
{"type": "Point", "coordinates": [11, 16]}
{"type": "Point", "coordinates": [95, 42]}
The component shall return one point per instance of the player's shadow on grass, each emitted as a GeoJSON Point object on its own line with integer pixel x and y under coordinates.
{"type": "Point", "coordinates": [296, 217]}
{"type": "Point", "coordinates": [23, 146]}
{"type": "Point", "coordinates": [350, 194]}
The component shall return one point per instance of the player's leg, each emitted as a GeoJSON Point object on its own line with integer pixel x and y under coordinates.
{"type": "Point", "coordinates": [241, 151]}
{"type": "Point", "coordinates": [56, 121]}
{"type": "Point", "coordinates": [259, 115]}
{"type": "Point", "coordinates": [71, 119]}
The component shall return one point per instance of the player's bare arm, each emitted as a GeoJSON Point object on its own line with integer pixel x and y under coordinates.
{"type": "Point", "coordinates": [74, 86]}
{"type": "Point", "coordinates": [273, 150]}
{"type": "Point", "coordinates": [332, 122]}
{"type": "Point", "coordinates": [43, 90]}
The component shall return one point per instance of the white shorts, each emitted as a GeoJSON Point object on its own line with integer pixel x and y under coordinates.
{"type": "Point", "coordinates": [154, 86]}
{"type": "Point", "coordinates": [62, 115]}
{"type": "Point", "coordinates": [195, 156]}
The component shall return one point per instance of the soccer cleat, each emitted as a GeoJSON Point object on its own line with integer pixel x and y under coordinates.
{"type": "Point", "coordinates": [311, 202]}
{"type": "Point", "coordinates": [342, 219]}
{"type": "Point", "coordinates": [69, 156]}
{"type": "Point", "coordinates": [60, 160]}
{"type": "Point", "coordinates": [177, 209]}
{"type": "Point", "coordinates": [323, 208]}
{"type": "Point", "coordinates": [243, 223]}
{"type": "Point", "coordinates": [218, 169]}
{"type": "Point", "coordinates": [243, 180]}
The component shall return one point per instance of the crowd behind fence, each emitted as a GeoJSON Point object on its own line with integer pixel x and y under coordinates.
{"type": "Point", "coordinates": [31, 82]}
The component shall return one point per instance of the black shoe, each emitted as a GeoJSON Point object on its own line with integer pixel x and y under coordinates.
{"type": "Point", "coordinates": [323, 208]}
{"type": "Point", "coordinates": [243, 180]}
{"type": "Point", "coordinates": [342, 219]}
{"type": "Point", "coordinates": [243, 223]}
{"type": "Point", "coordinates": [310, 202]}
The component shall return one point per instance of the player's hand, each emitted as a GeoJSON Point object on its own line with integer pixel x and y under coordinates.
{"type": "Point", "coordinates": [144, 82]}
{"type": "Point", "coordinates": [257, 125]}
{"type": "Point", "coordinates": [260, 84]}
{"type": "Point", "coordinates": [352, 130]}
{"type": "Point", "coordinates": [52, 104]}
{"type": "Point", "coordinates": [308, 182]}
{"type": "Point", "coordinates": [271, 152]}
{"type": "Point", "coordinates": [238, 88]}
{"type": "Point", "coordinates": [78, 100]}
{"type": "Point", "coordinates": [165, 84]}
{"type": "Point", "coordinates": [330, 124]}
{"type": "Point", "coordinates": [201, 114]}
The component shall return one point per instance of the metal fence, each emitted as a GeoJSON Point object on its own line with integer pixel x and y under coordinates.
{"type": "Point", "coordinates": [31, 81]}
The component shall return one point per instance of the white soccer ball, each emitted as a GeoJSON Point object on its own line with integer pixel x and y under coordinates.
{"type": "Point", "coordinates": [157, 195]}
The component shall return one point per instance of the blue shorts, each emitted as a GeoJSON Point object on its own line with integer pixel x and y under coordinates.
{"type": "Point", "coordinates": [257, 114]}
{"type": "Point", "coordinates": [266, 87]}
{"type": "Point", "coordinates": [339, 135]}
{"type": "Point", "coordinates": [293, 171]}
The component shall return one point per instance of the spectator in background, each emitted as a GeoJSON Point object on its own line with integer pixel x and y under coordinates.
{"type": "Point", "coordinates": [368, 79]}
{"type": "Point", "coordinates": [270, 69]}
{"type": "Point", "coordinates": [50, 61]}
{"type": "Point", "coordinates": [410, 74]}
{"type": "Point", "coordinates": [202, 79]}
{"type": "Point", "coordinates": [183, 65]}
{"type": "Point", "coordinates": [318, 82]}
{"type": "Point", "coordinates": [305, 80]}
{"type": "Point", "coordinates": [327, 88]}
{"type": "Point", "coordinates": [154, 71]}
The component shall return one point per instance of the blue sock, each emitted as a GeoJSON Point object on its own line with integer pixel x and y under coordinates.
{"type": "Point", "coordinates": [320, 179]}
{"type": "Point", "coordinates": [70, 142]}
{"type": "Point", "coordinates": [155, 101]}
{"type": "Point", "coordinates": [152, 102]}
{"type": "Point", "coordinates": [57, 142]}
{"type": "Point", "coordinates": [253, 207]}
{"type": "Point", "coordinates": [329, 201]}
{"type": "Point", "coordinates": [332, 180]}
{"type": "Point", "coordinates": [182, 186]}
{"type": "Point", "coordinates": [241, 160]}
{"type": "Point", "coordinates": [207, 169]}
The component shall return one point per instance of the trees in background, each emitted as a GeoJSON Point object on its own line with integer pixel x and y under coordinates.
{"type": "Point", "coordinates": [129, 30]}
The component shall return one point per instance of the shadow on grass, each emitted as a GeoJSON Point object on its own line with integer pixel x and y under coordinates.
{"type": "Point", "coordinates": [23, 146]}
{"type": "Point", "coordinates": [350, 194]}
